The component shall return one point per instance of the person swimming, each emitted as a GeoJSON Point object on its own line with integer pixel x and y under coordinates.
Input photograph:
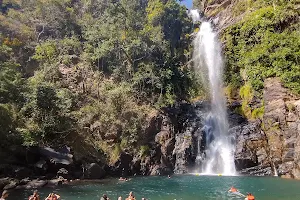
{"type": "Point", "coordinates": [4, 195]}
{"type": "Point", "coordinates": [123, 179]}
{"type": "Point", "coordinates": [131, 196]}
{"type": "Point", "coordinates": [233, 189]}
{"type": "Point", "coordinates": [104, 197]}
{"type": "Point", "coordinates": [53, 196]}
{"type": "Point", "coordinates": [34, 196]}
{"type": "Point", "coordinates": [250, 197]}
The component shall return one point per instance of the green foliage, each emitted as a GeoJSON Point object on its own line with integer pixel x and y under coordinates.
{"type": "Point", "coordinates": [246, 93]}
{"type": "Point", "coordinates": [45, 51]}
{"type": "Point", "coordinates": [264, 44]}
{"type": "Point", "coordinates": [115, 154]}
{"type": "Point", "coordinates": [48, 114]}
{"type": "Point", "coordinates": [93, 70]}
{"type": "Point", "coordinates": [247, 110]}
{"type": "Point", "coordinates": [291, 107]}
{"type": "Point", "coordinates": [144, 151]}
{"type": "Point", "coordinates": [258, 113]}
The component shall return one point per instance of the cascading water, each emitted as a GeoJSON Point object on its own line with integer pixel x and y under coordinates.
{"type": "Point", "coordinates": [207, 58]}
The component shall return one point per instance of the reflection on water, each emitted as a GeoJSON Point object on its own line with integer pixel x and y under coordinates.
{"type": "Point", "coordinates": [189, 187]}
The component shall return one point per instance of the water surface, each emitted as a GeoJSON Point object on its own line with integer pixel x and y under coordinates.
{"type": "Point", "coordinates": [189, 187]}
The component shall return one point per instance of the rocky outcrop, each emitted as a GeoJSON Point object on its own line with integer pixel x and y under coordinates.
{"type": "Point", "coordinates": [186, 139]}
{"type": "Point", "coordinates": [183, 152]}
{"type": "Point", "coordinates": [281, 122]}
{"type": "Point", "coordinates": [222, 12]}
{"type": "Point", "coordinates": [94, 171]}
{"type": "Point", "coordinates": [263, 147]}
{"type": "Point", "coordinates": [165, 139]}
{"type": "Point", "coordinates": [271, 146]}
{"type": "Point", "coordinates": [250, 145]}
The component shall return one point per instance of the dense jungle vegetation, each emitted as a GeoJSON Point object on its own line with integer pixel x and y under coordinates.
{"type": "Point", "coordinates": [90, 69]}
{"type": "Point", "coordinates": [93, 72]}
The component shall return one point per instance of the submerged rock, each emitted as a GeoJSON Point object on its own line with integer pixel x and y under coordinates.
{"type": "Point", "coordinates": [22, 172]}
{"type": "Point", "coordinates": [3, 182]}
{"type": "Point", "coordinates": [36, 184]}
{"type": "Point", "coordinates": [12, 184]}
{"type": "Point", "coordinates": [257, 171]}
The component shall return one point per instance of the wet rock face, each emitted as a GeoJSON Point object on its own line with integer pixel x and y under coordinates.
{"type": "Point", "coordinates": [186, 140]}
{"type": "Point", "coordinates": [183, 152]}
{"type": "Point", "coordinates": [94, 171]}
{"type": "Point", "coordinates": [165, 139]}
{"type": "Point", "coordinates": [281, 126]}
{"type": "Point", "coordinates": [257, 171]}
{"type": "Point", "coordinates": [274, 117]}
{"type": "Point", "coordinates": [272, 145]}
{"type": "Point", "coordinates": [250, 148]}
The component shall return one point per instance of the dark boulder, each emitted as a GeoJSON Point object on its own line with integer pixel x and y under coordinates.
{"type": "Point", "coordinates": [257, 171]}
{"type": "Point", "coordinates": [57, 157]}
{"type": "Point", "coordinates": [36, 184]}
{"type": "Point", "coordinates": [3, 182]}
{"type": "Point", "coordinates": [22, 172]}
{"type": "Point", "coordinates": [158, 170]}
{"type": "Point", "coordinates": [94, 171]}
{"type": "Point", "coordinates": [24, 181]}
{"type": "Point", "coordinates": [122, 166]}
{"type": "Point", "coordinates": [12, 184]}
{"type": "Point", "coordinates": [250, 145]}
{"type": "Point", "coordinates": [62, 172]}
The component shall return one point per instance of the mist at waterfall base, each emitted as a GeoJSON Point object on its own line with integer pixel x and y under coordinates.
{"type": "Point", "coordinates": [218, 156]}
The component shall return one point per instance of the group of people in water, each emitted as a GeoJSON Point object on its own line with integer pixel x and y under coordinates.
{"type": "Point", "coordinates": [52, 196]}
{"type": "Point", "coordinates": [34, 196]}
{"type": "Point", "coordinates": [235, 191]}
{"type": "Point", "coordinates": [130, 197]}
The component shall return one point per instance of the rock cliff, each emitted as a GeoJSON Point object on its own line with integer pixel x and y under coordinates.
{"type": "Point", "coordinates": [271, 146]}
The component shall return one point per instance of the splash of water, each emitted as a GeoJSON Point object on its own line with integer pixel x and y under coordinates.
{"type": "Point", "coordinates": [207, 58]}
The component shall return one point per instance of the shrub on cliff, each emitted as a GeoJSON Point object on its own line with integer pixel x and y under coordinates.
{"type": "Point", "coordinates": [264, 44]}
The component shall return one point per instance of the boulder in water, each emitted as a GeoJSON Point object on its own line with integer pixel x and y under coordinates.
{"type": "Point", "coordinates": [22, 172]}
{"type": "Point", "coordinates": [36, 184]}
{"type": "Point", "coordinates": [12, 184]}
{"type": "Point", "coordinates": [3, 182]}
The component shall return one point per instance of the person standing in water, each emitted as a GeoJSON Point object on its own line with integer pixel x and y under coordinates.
{"type": "Point", "coordinates": [4, 195]}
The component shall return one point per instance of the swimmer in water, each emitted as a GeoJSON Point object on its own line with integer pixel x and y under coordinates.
{"type": "Point", "coordinates": [232, 189]}
{"type": "Point", "coordinates": [34, 196]}
{"type": "Point", "coordinates": [131, 196]}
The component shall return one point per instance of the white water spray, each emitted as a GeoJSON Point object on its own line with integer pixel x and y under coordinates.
{"type": "Point", "coordinates": [207, 58]}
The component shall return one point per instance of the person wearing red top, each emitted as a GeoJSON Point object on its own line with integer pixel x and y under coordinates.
{"type": "Point", "coordinates": [250, 197]}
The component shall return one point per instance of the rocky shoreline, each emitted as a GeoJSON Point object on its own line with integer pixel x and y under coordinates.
{"type": "Point", "coordinates": [264, 147]}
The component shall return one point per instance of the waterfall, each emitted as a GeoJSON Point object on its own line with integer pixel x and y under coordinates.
{"type": "Point", "coordinates": [275, 170]}
{"type": "Point", "coordinates": [207, 58]}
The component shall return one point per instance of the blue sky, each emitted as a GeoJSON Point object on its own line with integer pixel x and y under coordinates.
{"type": "Point", "coordinates": [187, 3]}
